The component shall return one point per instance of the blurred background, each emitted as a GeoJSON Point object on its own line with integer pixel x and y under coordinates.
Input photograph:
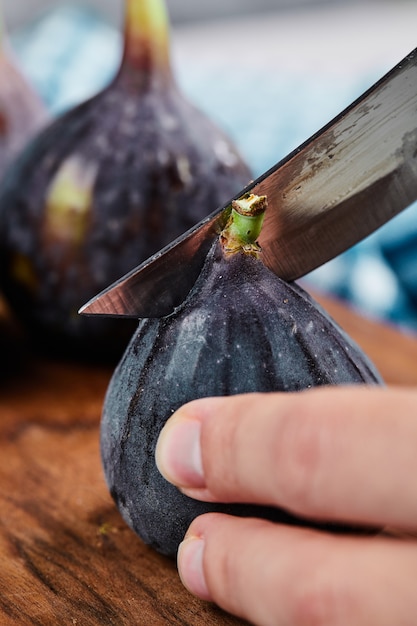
{"type": "Point", "coordinates": [19, 11]}
{"type": "Point", "coordinates": [271, 73]}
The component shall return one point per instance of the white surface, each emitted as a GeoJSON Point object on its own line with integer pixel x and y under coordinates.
{"type": "Point", "coordinates": [18, 11]}
{"type": "Point", "coordinates": [295, 34]}
{"type": "Point", "coordinates": [339, 37]}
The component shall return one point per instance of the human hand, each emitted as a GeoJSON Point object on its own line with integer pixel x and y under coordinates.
{"type": "Point", "coordinates": [336, 454]}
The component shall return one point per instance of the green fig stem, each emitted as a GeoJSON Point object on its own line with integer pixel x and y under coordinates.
{"type": "Point", "coordinates": [146, 33]}
{"type": "Point", "coordinates": [244, 225]}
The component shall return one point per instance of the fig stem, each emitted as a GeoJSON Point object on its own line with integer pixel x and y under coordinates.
{"type": "Point", "coordinates": [244, 225]}
{"type": "Point", "coordinates": [146, 36]}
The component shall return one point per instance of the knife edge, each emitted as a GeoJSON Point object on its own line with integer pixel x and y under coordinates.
{"type": "Point", "coordinates": [295, 229]}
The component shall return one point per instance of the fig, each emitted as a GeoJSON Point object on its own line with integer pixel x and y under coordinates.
{"type": "Point", "coordinates": [12, 347]}
{"type": "Point", "coordinates": [22, 116]}
{"type": "Point", "coordinates": [106, 185]}
{"type": "Point", "coordinates": [241, 329]}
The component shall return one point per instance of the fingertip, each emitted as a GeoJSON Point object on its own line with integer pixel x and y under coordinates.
{"type": "Point", "coordinates": [191, 566]}
{"type": "Point", "coordinates": [178, 452]}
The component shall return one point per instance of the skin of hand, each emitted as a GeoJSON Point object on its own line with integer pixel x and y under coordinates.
{"type": "Point", "coordinates": [344, 454]}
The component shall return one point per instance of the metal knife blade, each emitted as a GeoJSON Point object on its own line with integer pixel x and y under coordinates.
{"type": "Point", "coordinates": [348, 179]}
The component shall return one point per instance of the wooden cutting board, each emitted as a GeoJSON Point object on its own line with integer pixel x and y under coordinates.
{"type": "Point", "coordinates": [66, 556]}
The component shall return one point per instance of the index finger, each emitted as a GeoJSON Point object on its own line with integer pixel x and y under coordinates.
{"type": "Point", "coordinates": [342, 454]}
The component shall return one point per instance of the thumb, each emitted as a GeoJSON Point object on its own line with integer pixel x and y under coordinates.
{"type": "Point", "coordinates": [328, 453]}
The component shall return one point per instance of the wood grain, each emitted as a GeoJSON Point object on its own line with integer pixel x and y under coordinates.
{"type": "Point", "coordinates": [66, 556]}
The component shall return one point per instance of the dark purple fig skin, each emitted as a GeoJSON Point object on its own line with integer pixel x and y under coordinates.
{"type": "Point", "coordinates": [241, 329]}
{"type": "Point", "coordinates": [162, 166]}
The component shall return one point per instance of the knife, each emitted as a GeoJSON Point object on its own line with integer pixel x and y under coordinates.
{"type": "Point", "coordinates": [347, 180]}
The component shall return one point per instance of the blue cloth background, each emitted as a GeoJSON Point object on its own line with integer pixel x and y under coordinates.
{"type": "Point", "coordinates": [71, 53]}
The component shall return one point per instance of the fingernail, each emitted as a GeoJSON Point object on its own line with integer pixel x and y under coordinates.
{"type": "Point", "coordinates": [178, 452]}
{"type": "Point", "coordinates": [190, 567]}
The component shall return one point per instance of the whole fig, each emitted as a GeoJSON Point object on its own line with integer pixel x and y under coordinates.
{"type": "Point", "coordinates": [241, 329]}
{"type": "Point", "coordinates": [105, 186]}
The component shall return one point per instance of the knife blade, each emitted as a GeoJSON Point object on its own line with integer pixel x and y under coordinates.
{"type": "Point", "coordinates": [339, 186]}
